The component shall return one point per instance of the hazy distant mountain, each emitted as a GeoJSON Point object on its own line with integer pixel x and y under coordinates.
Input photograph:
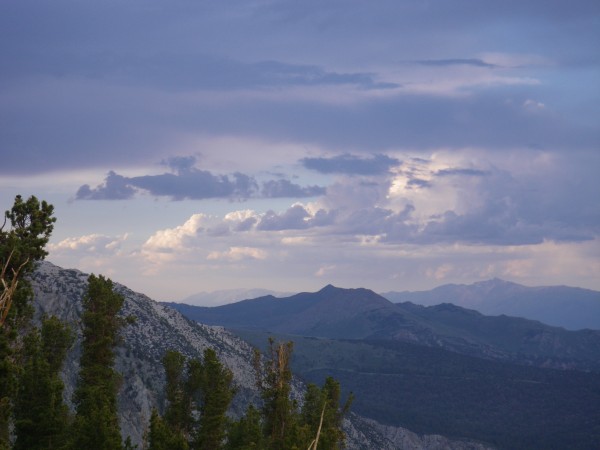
{"type": "Point", "coordinates": [432, 390]}
{"type": "Point", "coordinates": [568, 307]}
{"type": "Point", "coordinates": [157, 328]}
{"type": "Point", "coordinates": [362, 314]}
{"type": "Point", "coordinates": [441, 369]}
{"type": "Point", "coordinates": [225, 296]}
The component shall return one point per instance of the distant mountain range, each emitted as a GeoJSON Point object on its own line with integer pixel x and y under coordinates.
{"type": "Point", "coordinates": [457, 379]}
{"type": "Point", "coordinates": [224, 296]}
{"type": "Point", "coordinates": [441, 369]}
{"type": "Point", "coordinates": [362, 314]}
{"type": "Point", "coordinates": [563, 306]}
{"type": "Point", "coordinates": [157, 328]}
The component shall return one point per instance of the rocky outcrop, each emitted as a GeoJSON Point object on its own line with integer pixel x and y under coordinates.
{"type": "Point", "coordinates": [158, 328]}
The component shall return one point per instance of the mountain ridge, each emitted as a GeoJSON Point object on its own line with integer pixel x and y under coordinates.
{"type": "Point", "coordinates": [572, 308]}
{"type": "Point", "coordinates": [59, 292]}
{"type": "Point", "coordinates": [362, 314]}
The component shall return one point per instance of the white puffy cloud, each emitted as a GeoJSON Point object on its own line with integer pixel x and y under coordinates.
{"type": "Point", "coordinates": [238, 254]}
{"type": "Point", "coordinates": [177, 239]}
{"type": "Point", "coordinates": [95, 253]}
{"type": "Point", "coordinates": [98, 244]}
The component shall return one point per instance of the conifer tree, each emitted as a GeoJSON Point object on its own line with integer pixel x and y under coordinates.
{"type": "Point", "coordinates": [41, 417]}
{"type": "Point", "coordinates": [178, 413]}
{"type": "Point", "coordinates": [322, 415]}
{"type": "Point", "coordinates": [96, 424]}
{"type": "Point", "coordinates": [317, 425]}
{"type": "Point", "coordinates": [246, 433]}
{"type": "Point", "coordinates": [163, 437]}
{"type": "Point", "coordinates": [216, 393]}
{"type": "Point", "coordinates": [24, 232]}
{"type": "Point", "coordinates": [200, 389]}
{"type": "Point", "coordinates": [31, 224]}
{"type": "Point", "coordinates": [279, 412]}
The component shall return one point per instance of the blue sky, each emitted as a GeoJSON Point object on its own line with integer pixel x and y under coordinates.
{"type": "Point", "coordinates": [199, 145]}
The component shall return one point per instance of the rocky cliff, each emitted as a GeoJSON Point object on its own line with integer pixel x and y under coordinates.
{"type": "Point", "coordinates": [158, 328]}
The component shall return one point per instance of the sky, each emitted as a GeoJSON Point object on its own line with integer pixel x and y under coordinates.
{"type": "Point", "coordinates": [193, 146]}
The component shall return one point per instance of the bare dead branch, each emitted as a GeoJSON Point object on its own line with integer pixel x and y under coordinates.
{"type": "Point", "coordinates": [9, 286]}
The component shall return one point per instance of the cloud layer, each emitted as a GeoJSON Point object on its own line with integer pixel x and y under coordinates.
{"type": "Point", "coordinates": [191, 183]}
{"type": "Point", "coordinates": [402, 143]}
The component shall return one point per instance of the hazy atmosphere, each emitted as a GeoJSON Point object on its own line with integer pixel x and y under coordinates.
{"type": "Point", "coordinates": [192, 146]}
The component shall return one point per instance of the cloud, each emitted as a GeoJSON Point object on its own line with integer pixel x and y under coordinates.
{"type": "Point", "coordinates": [325, 270]}
{"type": "Point", "coordinates": [195, 70]}
{"type": "Point", "coordinates": [238, 254]}
{"type": "Point", "coordinates": [285, 188]}
{"type": "Point", "coordinates": [456, 62]}
{"type": "Point", "coordinates": [115, 187]}
{"type": "Point", "coordinates": [418, 183]}
{"type": "Point", "coordinates": [183, 72]}
{"type": "Point", "coordinates": [352, 165]}
{"type": "Point", "coordinates": [194, 184]}
{"type": "Point", "coordinates": [533, 105]}
{"type": "Point", "coordinates": [91, 244]}
{"type": "Point", "coordinates": [176, 239]}
{"type": "Point", "coordinates": [461, 172]}
{"type": "Point", "coordinates": [241, 221]}
{"type": "Point", "coordinates": [443, 200]}
{"type": "Point", "coordinates": [179, 164]}
{"type": "Point", "coordinates": [295, 218]}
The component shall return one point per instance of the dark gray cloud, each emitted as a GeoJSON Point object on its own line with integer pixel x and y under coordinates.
{"type": "Point", "coordinates": [196, 185]}
{"type": "Point", "coordinates": [418, 182]}
{"type": "Point", "coordinates": [502, 209]}
{"type": "Point", "coordinates": [352, 164]}
{"type": "Point", "coordinates": [292, 219]}
{"type": "Point", "coordinates": [246, 224]}
{"type": "Point", "coordinates": [461, 172]}
{"type": "Point", "coordinates": [100, 84]}
{"type": "Point", "coordinates": [295, 218]}
{"type": "Point", "coordinates": [513, 210]}
{"type": "Point", "coordinates": [191, 71]}
{"type": "Point", "coordinates": [456, 62]}
{"type": "Point", "coordinates": [180, 164]}
{"type": "Point", "coordinates": [115, 187]}
{"type": "Point", "coordinates": [191, 183]}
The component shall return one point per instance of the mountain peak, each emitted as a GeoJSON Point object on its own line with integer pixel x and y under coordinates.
{"type": "Point", "coordinates": [329, 288]}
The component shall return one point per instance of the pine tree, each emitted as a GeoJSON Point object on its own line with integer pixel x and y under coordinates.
{"type": "Point", "coordinates": [30, 224]}
{"type": "Point", "coordinates": [322, 415]}
{"type": "Point", "coordinates": [246, 433]}
{"type": "Point", "coordinates": [96, 424]}
{"type": "Point", "coordinates": [216, 393]}
{"type": "Point", "coordinates": [178, 413]}
{"type": "Point", "coordinates": [162, 437]}
{"type": "Point", "coordinates": [198, 395]}
{"type": "Point", "coordinates": [317, 425]}
{"type": "Point", "coordinates": [41, 417]}
{"type": "Point", "coordinates": [279, 411]}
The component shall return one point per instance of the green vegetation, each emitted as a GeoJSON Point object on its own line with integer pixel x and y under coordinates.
{"type": "Point", "coordinates": [434, 391]}
{"type": "Point", "coordinates": [284, 426]}
{"type": "Point", "coordinates": [199, 394]}
{"type": "Point", "coordinates": [215, 387]}
{"type": "Point", "coordinates": [96, 423]}
{"type": "Point", "coordinates": [41, 417]}
{"type": "Point", "coordinates": [31, 224]}
{"type": "Point", "coordinates": [24, 233]}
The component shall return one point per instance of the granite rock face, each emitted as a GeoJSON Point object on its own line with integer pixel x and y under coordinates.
{"type": "Point", "coordinates": [158, 328]}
